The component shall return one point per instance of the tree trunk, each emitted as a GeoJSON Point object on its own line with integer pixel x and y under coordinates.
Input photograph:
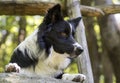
{"type": "Point", "coordinates": [93, 49]}
{"type": "Point", "coordinates": [22, 29]}
{"type": "Point", "coordinates": [107, 67]}
{"type": "Point", "coordinates": [111, 40]}
{"type": "Point", "coordinates": [92, 44]}
{"type": "Point", "coordinates": [84, 64]}
{"type": "Point", "coordinates": [4, 37]}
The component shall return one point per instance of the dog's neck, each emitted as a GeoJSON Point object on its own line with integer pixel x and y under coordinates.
{"type": "Point", "coordinates": [61, 61]}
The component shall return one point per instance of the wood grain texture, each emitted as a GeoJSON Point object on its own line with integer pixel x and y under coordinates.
{"type": "Point", "coordinates": [24, 8]}
{"type": "Point", "coordinates": [84, 64]}
{"type": "Point", "coordinates": [19, 7]}
{"type": "Point", "coordinates": [23, 78]}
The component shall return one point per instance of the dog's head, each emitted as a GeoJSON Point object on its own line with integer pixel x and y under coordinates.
{"type": "Point", "coordinates": [56, 32]}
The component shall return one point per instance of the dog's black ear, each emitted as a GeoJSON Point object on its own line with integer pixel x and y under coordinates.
{"type": "Point", "coordinates": [75, 21]}
{"type": "Point", "coordinates": [53, 15]}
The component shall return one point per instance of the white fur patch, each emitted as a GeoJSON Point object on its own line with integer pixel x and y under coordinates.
{"type": "Point", "coordinates": [53, 65]}
{"type": "Point", "coordinates": [31, 45]}
{"type": "Point", "coordinates": [12, 66]}
{"type": "Point", "coordinates": [70, 27]}
{"type": "Point", "coordinates": [60, 60]}
{"type": "Point", "coordinates": [76, 45]}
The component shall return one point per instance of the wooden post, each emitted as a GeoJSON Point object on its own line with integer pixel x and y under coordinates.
{"type": "Point", "coordinates": [84, 65]}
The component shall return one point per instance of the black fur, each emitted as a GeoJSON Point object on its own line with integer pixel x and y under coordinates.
{"type": "Point", "coordinates": [75, 22]}
{"type": "Point", "coordinates": [23, 59]}
{"type": "Point", "coordinates": [50, 19]}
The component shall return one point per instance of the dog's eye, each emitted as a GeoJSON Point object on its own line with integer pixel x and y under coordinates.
{"type": "Point", "coordinates": [63, 34]}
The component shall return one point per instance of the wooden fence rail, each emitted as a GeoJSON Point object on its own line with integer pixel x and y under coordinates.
{"type": "Point", "coordinates": [10, 7]}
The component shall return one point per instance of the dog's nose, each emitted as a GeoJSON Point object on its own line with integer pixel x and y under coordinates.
{"type": "Point", "coordinates": [78, 51]}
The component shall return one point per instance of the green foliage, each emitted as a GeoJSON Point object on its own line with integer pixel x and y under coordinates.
{"type": "Point", "coordinates": [116, 1]}
{"type": "Point", "coordinates": [72, 68]}
{"type": "Point", "coordinates": [98, 36]}
{"type": "Point", "coordinates": [9, 28]}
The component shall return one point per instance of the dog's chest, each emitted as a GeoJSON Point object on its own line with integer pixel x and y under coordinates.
{"type": "Point", "coordinates": [53, 65]}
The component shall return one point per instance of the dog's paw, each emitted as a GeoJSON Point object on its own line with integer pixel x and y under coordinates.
{"type": "Point", "coordinates": [74, 77]}
{"type": "Point", "coordinates": [12, 67]}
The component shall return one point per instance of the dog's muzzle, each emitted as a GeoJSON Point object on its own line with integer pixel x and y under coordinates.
{"type": "Point", "coordinates": [77, 50]}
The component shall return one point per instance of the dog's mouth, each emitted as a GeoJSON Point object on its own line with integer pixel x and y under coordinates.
{"type": "Point", "coordinates": [72, 54]}
{"type": "Point", "coordinates": [73, 51]}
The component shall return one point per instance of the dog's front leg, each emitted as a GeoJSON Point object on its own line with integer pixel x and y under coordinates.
{"type": "Point", "coordinates": [74, 77]}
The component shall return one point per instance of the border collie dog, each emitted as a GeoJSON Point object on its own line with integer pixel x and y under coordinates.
{"type": "Point", "coordinates": [49, 49]}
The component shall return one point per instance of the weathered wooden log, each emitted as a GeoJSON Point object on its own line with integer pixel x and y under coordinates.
{"type": "Point", "coordinates": [84, 64]}
{"type": "Point", "coordinates": [21, 7]}
{"type": "Point", "coordinates": [23, 78]}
